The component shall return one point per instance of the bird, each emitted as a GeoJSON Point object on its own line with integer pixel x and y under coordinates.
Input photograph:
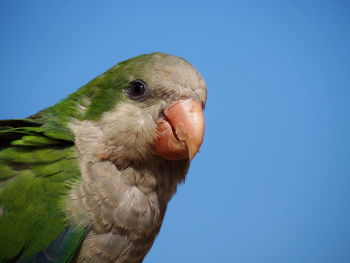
{"type": "Point", "coordinates": [89, 178]}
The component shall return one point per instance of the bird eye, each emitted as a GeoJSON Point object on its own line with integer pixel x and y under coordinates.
{"type": "Point", "coordinates": [137, 90]}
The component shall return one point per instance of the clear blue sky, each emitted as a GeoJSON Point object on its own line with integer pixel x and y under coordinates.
{"type": "Point", "coordinates": [272, 181]}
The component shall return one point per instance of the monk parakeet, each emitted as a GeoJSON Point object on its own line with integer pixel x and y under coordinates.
{"type": "Point", "coordinates": [89, 179]}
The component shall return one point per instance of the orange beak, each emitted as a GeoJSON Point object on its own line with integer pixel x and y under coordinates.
{"type": "Point", "coordinates": [180, 132]}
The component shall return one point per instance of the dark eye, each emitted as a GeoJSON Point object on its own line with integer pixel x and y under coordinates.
{"type": "Point", "coordinates": [137, 90]}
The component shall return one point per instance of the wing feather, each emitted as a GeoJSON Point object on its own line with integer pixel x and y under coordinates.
{"type": "Point", "coordinates": [36, 173]}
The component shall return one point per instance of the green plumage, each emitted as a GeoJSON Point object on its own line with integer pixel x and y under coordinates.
{"type": "Point", "coordinates": [36, 172]}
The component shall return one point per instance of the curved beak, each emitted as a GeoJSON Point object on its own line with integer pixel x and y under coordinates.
{"type": "Point", "coordinates": [180, 132]}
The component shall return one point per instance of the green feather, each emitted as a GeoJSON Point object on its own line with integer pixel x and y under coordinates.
{"type": "Point", "coordinates": [28, 155]}
{"type": "Point", "coordinates": [31, 140]}
{"type": "Point", "coordinates": [36, 173]}
{"type": "Point", "coordinates": [6, 171]}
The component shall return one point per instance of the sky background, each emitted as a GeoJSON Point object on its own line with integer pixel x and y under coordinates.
{"type": "Point", "coordinates": [272, 181]}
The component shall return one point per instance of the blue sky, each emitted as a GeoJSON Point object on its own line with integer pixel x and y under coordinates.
{"type": "Point", "coordinates": [271, 183]}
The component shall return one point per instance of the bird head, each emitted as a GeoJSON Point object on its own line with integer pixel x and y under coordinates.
{"type": "Point", "coordinates": [148, 106]}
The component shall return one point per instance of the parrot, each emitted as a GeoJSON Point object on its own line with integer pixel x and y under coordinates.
{"type": "Point", "coordinates": [89, 178]}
